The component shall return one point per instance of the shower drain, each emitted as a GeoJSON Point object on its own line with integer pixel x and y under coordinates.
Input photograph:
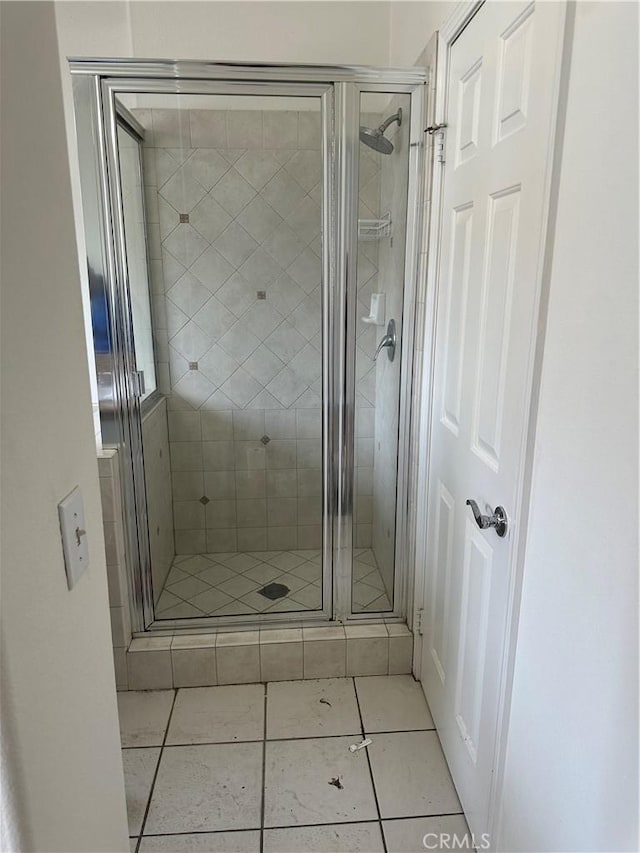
{"type": "Point", "coordinates": [274, 591]}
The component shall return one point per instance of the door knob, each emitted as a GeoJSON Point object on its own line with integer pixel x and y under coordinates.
{"type": "Point", "coordinates": [497, 520]}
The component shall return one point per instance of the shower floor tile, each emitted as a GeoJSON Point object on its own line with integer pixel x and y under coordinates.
{"type": "Point", "coordinates": [229, 584]}
{"type": "Point", "coordinates": [368, 593]}
{"type": "Point", "coordinates": [269, 768]}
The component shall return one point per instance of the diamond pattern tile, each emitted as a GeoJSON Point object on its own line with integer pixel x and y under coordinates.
{"type": "Point", "coordinates": [257, 167]}
{"type": "Point", "coordinates": [217, 365]}
{"type": "Point", "coordinates": [259, 219]}
{"type": "Point", "coordinates": [214, 318]}
{"type": "Point", "coordinates": [233, 192]}
{"type": "Point", "coordinates": [306, 168]}
{"type": "Point", "coordinates": [260, 269]}
{"type": "Point", "coordinates": [193, 388]}
{"type": "Point", "coordinates": [235, 244]}
{"type": "Point", "coordinates": [171, 268]}
{"type": "Point", "coordinates": [239, 342]}
{"type": "Point", "coordinates": [307, 364]}
{"type": "Point", "coordinates": [285, 341]}
{"type": "Point", "coordinates": [305, 219]}
{"type": "Point", "coordinates": [261, 319]}
{"type": "Point", "coordinates": [188, 294]}
{"type": "Point", "coordinates": [287, 386]}
{"type": "Point", "coordinates": [263, 365]}
{"type": "Point", "coordinates": [185, 244]}
{"type": "Point", "coordinates": [209, 218]}
{"type": "Point", "coordinates": [208, 166]}
{"type": "Point", "coordinates": [283, 193]}
{"type": "Point", "coordinates": [241, 387]}
{"type": "Point", "coordinates": [305, 319]}
{"type": "Point", "coordinates": [181, 154]}
{"type": "Point", "coordinates": [237, 294]}
{"type": "Point", "coordinates": [306, 270]}
{"type": "Point", "coordinates": [182, 191]}
{"type": "Point", "coordinates": [228, 584]}
{"type": "Point", "coordinates": [191, 342]}
{"type": "Point", "coordinates": [168, 217]}
{"type": "Point", "coordinates": [284, 245]}
{"type": "Point", "coordinates": [285, 295]}
{"type": "Point", "coordinates": [166, 165]}
{"type": "Point", "coordinates": [211, 269]}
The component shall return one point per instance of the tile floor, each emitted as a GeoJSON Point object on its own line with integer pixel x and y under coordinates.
{"type": "Point", "coordinates": [257, 767]}
{"type": "Point", "coordinates": [229, 584]}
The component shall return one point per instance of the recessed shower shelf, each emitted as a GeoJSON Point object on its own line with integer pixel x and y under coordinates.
{"type": "Point", "coordinates": [374, 229]}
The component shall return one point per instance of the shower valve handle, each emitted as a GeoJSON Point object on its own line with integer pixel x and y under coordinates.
{"type": "Point", "coordinates": [389, 340]}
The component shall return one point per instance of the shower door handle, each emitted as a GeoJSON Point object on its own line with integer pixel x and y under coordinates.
{"type": "Point", "coordinates": [498, 520]}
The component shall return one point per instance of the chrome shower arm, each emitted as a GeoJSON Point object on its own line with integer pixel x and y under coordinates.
{"type": "Point", "coordinates": [388, 121]}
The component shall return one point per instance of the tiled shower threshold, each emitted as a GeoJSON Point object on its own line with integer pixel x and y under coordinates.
{"type": "Point", "coordinates": [177, 659]}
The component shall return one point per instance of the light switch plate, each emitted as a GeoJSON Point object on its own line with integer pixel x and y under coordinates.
{"type": "Point", "coordinates": [74, 536]}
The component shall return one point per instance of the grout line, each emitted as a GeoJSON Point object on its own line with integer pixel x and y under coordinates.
{"type": "Point", "coordinates": [373, 781]}
{"type": "Point", "coordinates": [155, 775]}
{"type": "Point", "coordinates": [351, 822]}
{"type": "Point", "coordinates": [203, 832]}
{"type": "Point", "coordinates": [297, 825]}
{"type": "Point", "coordinates": [282, 739]}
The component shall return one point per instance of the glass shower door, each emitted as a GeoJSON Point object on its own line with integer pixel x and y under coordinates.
{"type": "Point", "coordinates": [378, 328]}
{"type": "Point", "coordinates": [236, 188]}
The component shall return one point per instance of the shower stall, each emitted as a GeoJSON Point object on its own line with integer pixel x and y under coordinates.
{"type": "Point", "coordinates": [252, 245]}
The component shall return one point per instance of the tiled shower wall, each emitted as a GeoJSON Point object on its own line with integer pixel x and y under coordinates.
{"type": "Point", "coordinates": [233, 206]}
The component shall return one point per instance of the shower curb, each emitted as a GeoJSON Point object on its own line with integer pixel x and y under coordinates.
{"type": "Point", "coordinates": [243, 657]}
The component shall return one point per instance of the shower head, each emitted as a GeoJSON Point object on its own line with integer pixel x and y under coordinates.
{"type": "Point", "coordinates": [374, 136]}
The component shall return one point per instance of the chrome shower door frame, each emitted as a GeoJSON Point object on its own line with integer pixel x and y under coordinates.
{"type": "Point", "coordinates": [110, 88]}
{"type": "Point", "coordinates": [96, 82]}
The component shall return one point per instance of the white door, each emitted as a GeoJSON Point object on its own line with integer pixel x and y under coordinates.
{"type": "Point", "coordinates": [500, 115]}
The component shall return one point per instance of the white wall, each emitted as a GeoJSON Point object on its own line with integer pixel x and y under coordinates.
{"type": "Point", "coordinates": [312, 32]}
{"type": "Point", "coordinates": [571, 773]}
{"type": "Point", "coordinates": [57, 674]}
{"type": "Point", "coordinates": [315, 32]}
{"type": "Point", "coordinates": [411, 25]}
